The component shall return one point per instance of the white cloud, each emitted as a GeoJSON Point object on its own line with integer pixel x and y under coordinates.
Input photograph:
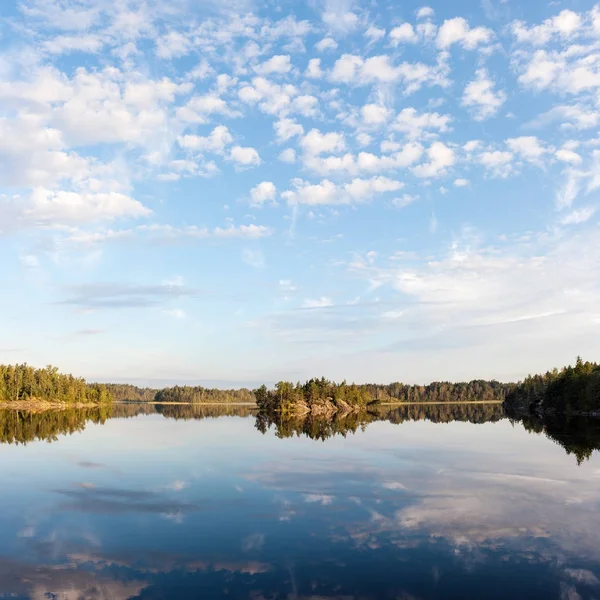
{"type": "Point", "coordinates": [458, 31]}
{"type": "Point", "coordinates": [279, 64]}
{"type": "Point", "coordinates": [200, 109]}
{"type": "Point", "coordinates": [364, 162]}
{"type": "Point", "coordinates": [461, 182]}
{"type": "Point", "coordinates": [173, 45]}
{"type": "Point", "coordinates": [498, 162]}
{"type": "Point", "coordinates": [375, 114]}
{"type": "Point", "coordinates": [322, 302]}
{"type": "Point", "coordinates": [415, 125]}
{"type": "Point", "coordinates": [568, 156]}
{"type": "Point", "coordinates": [243, 231]}
{"type": "Point", "coordinates": [352, 69]}
{"type": "Point", "coordinates": [528, 148]}
{"type": "Point", "coordinates": [364, 189]}
{"type": "Point", "coordinates": [566, 24]}
{"type": "Point", "coordinates": [216, 142]}
{"type": "Point", "coordinates": [404, 200]}
{"type": "Point", "coordinates": [272, 99]}
{"type": "Point", "coordinates": [313, 70]}
{"type": "Point", "coordinates": [264, 192]}
{"type": "Point", "coordinates": [286, 129]}
{"type": "Point", "coordinates": [326, 43]}
{"type": "Point", "coordinates": [481, 97]}
{"type": "Point", "coordinates": [245, 156]}
{"type": "Point", "coordinates": [315, 142]}
{"type": "Point", "coordinates": [56, 207]}
{"type": "Point", "coordinates": [425, 12]}
{"type": "Point", "coordinates": [577, 116]}
{"type": "Point", "coordinates": [288, 156]}
{"type": "Point", "coordinates": [403, 34]}
{"type": "Point", "coordinates": [327, 192]}
{"type": "Point", "coordinates": [64, 44]}
{"type": "Point", "coordinates": [579, 216]}
{"type": "Point", "coordinates": [339, 16]}
{"type": "Point", "coordinates": [440, 156]}
{"type": "Point", "coordinates": [374, 34]}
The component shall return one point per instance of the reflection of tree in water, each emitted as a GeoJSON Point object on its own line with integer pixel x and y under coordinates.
{"type": "Point", "coordinates": [21, 427]}
{"type": "Point", "coordinates": [321, 428]}
{"type": "Point", "coordinates": [203, 411]}
{"type": "Point", "coordinates": [443, 413]}
{"type": "Point", "coordinates": [579, 436]}
{"type": "Point", "coordinates": [316, 428]}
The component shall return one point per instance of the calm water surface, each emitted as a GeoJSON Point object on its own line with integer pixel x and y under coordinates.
{"type": "Point", "coordinates": [151, 507]}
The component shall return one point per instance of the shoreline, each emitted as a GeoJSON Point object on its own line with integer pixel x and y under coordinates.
{"type": "Point", "coordinates": [41, 405]}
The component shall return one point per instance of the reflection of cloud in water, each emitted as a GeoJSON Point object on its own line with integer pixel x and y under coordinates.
{"type": "Point", "coordinates": [323, 499]}
{"type": "Point", "coordinates": [27, 532]}
{"type": "Point", "coordinates": [253, 542]}
{"type": "Point", "coordinates": [115, 501]}
{"type": "Point", "coordinates": [393, 485]}
{"type": "Point", "coordinates": [62, 581]}
{"type": "Point", "coordinates": [176, 486]}
{"type": "Point", "coordinates": [88, 464]}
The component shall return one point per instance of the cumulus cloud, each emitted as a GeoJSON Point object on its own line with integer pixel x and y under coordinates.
{"type": "Point", "coordinates": [313, 70]}
{"type": "Point", "coordinates": [481, 96]}
{"type": "Point", "coordinates": [265, 192]}
{"type": "Point", "coordinates": [326, 192]}
{"type": "Point", "coordinates": [403, 34]}
{"type": "Point", "coordinates": [417, 125]}
{"type": "Point", "coordinates": [279, 64]}
{"type": "Point", "coordinates": [288, 156]}
{"type": "Point", "coordinates": [216, 142]}
{"type": "Point", "coordinates": [325, 44]}
{"type": "Point", "coordinates": [353, 69]}
{"type": "Point", "coordinates": [441, 157]}
{"type": "Point", "coordinates": [458, 31]}
{"type": "Point", "coordinates": [245, 156]}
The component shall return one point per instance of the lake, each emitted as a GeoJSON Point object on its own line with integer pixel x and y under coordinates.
{"type": "Point", "coordinates": [213, 502]}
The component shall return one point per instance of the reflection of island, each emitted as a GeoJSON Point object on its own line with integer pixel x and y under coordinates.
{"type": "Point", "coordinates": [21, 427]}
{"type": "Point", "coordinates": [203, 411]}
{"type": "Point", "coordinates": [577, 435]}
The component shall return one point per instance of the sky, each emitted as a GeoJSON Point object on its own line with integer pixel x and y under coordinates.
{"type": "Point", "coordinates": [240, 192]}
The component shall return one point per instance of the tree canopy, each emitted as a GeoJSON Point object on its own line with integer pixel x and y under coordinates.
{"type": "Point", "coordinates": [20, 383]}
{"type": "Point", "coordinates": [572, 389]}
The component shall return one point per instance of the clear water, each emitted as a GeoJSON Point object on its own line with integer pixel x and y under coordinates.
{"type": "Point", "coordinates": [150, 507]}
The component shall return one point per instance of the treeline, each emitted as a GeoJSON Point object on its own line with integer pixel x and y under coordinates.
{"type": "Point", "coordinates": [122, 392]}
{"type": "Point", "coordinates": [198, 394]}
{"type": "Point", "coordinates": [323, 393]}
{"type": "Point", "coordinates": [573, 389]}
{"type": "Point", "coordinates": [477, 390]}
{"type": "Point", "coordinates": [19, 383]}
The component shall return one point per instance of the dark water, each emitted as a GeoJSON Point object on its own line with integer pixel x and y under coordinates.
{"type": "Point", "coordinates": [179, 505]}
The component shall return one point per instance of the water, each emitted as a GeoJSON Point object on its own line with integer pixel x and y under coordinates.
{"type": "Point", "coordinates": [157, 507]}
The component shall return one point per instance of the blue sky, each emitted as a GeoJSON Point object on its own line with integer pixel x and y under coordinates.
{"type": "Point", "coordinates": [242, 192]}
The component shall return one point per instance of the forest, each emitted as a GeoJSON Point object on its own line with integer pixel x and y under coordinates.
{"type": "Point", "coordinates": [570, 390]}
{"type": "Point", "coordinates": [22, 383]}
{"type": "Point", "coordinates": [198, 394]}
